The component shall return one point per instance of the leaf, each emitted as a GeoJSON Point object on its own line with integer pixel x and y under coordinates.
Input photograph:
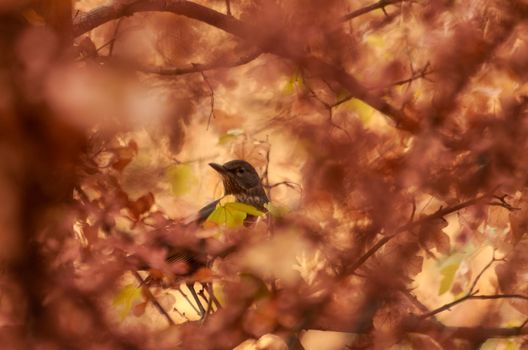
{"type": "Point", "coordinates": [223, 216]}
{"type": "Point", "coordinates": [141, 205]}
{"type": "Point", "coordinates": [139, 309]}
{"type": "Point", "coordinates": [448, 276]}
{"type": "Point", "coordinates": [181, 178]}
{"type": "Point", "coordinates": [232, 214]}
{"type": "Point", "coordinates": [202, 275]}
{"type": "Point", "coordinates": [230, 135]}
{"type": "Point", "coordinates": [363, 110]}
{"type": "Point", "coordinates": [219, 293]}
{"type": "Point", "coordinates": [511, 275]}
{"type": "Point", "coordinates": [124, 155]}
{"type": "Point", "coordinates": [275, 210]}
{"type": "Point", "coordinates": [33, 17]}
{"type": "Point", "coordinates": [246, 208]}
{"type": "Point", "coordinates": [295, 81]}
{"type": "Point", "coordinates": [125, 299]}
{"type": "Point", "coordinates": [431, 236]}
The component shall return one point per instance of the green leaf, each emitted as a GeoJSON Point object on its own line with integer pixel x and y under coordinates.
{"type": "Point", "coordinates": [448, 276]}
{"type": "Point", "coordinates": [181, 178]}
{"type": "Point", "coordinates": [125, 299]}
{"type": "Point", "coordinates": [232, 214]}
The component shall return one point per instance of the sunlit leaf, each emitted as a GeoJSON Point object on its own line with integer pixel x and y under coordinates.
{"type": "Point", "coordinates": [245, 208]}
{"type": "Point", "coordinates": [448, 276]}
{"type": "Point", "coordinates": [504, 344]}
{"type": "Point", "coordinates": [230, 135]}
{"type": "Point", "coordinates": [181, 178]}
{"type": "Point", "coordinates": [218, 291]}
{"type": "Point", "coordinates": [125, 299]}
{"type": "Point", "coordinates": [363, 110]}
{"type": "Point", "coordinates": [232, 214]}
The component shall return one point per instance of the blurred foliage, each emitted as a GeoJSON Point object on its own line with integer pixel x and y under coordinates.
{"type": "Point", "coordinates": [390, 137]}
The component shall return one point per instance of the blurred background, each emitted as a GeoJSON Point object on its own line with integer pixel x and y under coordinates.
{"type": "Point", "coordinates": [390, 138]}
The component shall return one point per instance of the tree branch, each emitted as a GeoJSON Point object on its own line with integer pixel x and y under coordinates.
{"type": "Point", "coordinates": [268, 41]}
{"type": "Point", "coordinates": [378, 5]}
{"type": "Point", "coordinates": [152, 298]}
{"type": "Point", "coordinates": [472, 294]}
{"type": "Point", "coordinates": [199, 68]}
{"type": "Point", "coordinates": [437, 215]}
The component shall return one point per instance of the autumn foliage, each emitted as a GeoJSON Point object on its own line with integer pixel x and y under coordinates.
{"type": "Point", "coordinates": [391, 138]}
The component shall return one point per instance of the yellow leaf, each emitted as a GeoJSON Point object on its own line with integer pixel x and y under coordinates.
{"type": "Point", "coordinates": [245, 208]}
{"type": "Point", "coordinates": [227, 199]}
{"type": "Point", "coordinates": [448, 275]}
{"type": "Point", "coordinates": [295, 81]}
{"type": "Point", "coordinates": [230, 135]}
{"type": "Point", "coordinates": [181, 178]}
{"type": "Point", "coordinates": [232, 214]}
{"type": "Point", "coordinates": [363, 110]}
{"type": "Point", "coordinates": [377, 41]}
{"type": "Point", "coordinates": [219, 293]}
{"type": "Point", "coordinates": [125, 299]}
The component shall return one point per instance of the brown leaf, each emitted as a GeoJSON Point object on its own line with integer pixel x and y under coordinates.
{"type": "Point", "coordinates": [140, 205]}
{"type": "Point", "coordinates": [139, 309]}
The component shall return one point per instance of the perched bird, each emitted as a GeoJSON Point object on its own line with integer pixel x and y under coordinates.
{"type": "Point", "coordinates": [241, 180]}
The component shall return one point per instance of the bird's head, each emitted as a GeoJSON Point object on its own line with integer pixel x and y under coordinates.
{"type": "Point", "coordinates": [238, 176]}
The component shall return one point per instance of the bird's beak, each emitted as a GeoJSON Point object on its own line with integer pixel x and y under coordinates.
{"type": "Point", "coordinates": [219, 168]}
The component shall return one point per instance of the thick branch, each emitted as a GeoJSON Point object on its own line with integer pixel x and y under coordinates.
{"type": "Point", "coordinates": [378, 5]}
{"type": "Point", "coordinates": [198, 68]}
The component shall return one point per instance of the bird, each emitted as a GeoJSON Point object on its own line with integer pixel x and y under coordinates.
{"type": "Point", "coordinates": [239, 179]}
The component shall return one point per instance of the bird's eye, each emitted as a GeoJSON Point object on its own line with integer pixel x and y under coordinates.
{"type": "Point", "coordinates": [240, 171]}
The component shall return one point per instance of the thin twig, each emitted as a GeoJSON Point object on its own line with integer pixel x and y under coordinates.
{"type": "Point", "coordinates": [439, 214]}
{"type": "Point", "coordinates": [201, 311]}
{"type": "Point", "coordinates": [182, 314]}
{"type": "Point", "coordinates": [114, 37]}
{"type": "Point", "coordinates": [152, 298]}
{"type": "Point", "coordinates": [472, 293]}
{"type": "Point", "coordinates": [501, 202]}
{"type": "Point", "coordinates": [188, 300]}
{"type": "Point", "coordinates": [212, 96]}
{"type": "Point", "coordinates": [421, 74]}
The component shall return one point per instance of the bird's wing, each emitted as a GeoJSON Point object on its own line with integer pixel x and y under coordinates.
{"type": "Point", "coordinates": [202, 214]}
